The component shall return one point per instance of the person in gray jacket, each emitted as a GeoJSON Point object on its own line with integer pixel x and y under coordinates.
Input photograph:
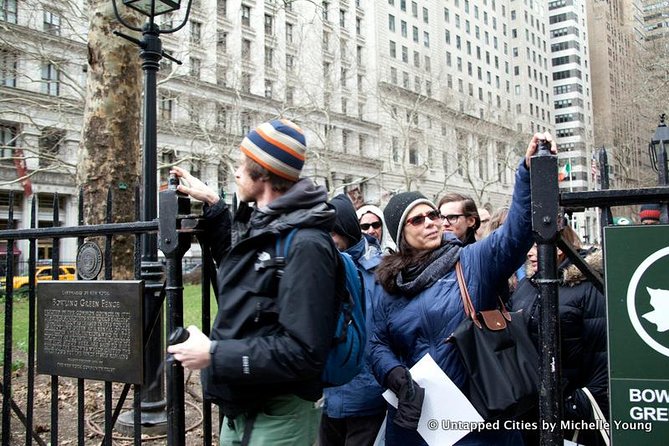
{"type": "Point", "coordinates": [270, 339]}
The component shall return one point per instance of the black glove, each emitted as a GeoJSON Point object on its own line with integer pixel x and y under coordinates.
{"type": "Point", "coordinates": [409, 395]}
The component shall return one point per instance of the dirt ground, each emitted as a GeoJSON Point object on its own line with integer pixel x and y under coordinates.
{"type": "Point", "coordinates": [94, 409]}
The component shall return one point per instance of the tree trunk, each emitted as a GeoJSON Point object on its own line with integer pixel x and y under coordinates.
{"type": "Point", "coordinates": [109, 152]}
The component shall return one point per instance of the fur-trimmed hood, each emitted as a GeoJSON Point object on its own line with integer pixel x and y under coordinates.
{"type": "Point", "coordinates": [572, 276]}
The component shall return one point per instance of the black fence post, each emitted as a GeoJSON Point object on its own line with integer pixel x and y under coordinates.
{"type": "Point", "coordinates": [544, 185]}
{"type": "Point", "coordinates": [174, 242]}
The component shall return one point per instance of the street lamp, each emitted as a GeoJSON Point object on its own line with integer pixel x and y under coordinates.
{"type": "Point", "coordinates": [658, 151]}
{"type": "Point", "coordinates": [153, 8]}
{"type": "Point", "coordinates": [153, 404]}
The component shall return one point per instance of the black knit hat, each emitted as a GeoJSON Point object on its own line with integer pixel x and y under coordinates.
{"type": "Point", "coordinates": [346, 220]}
{"type": "Point", "coordinates": [397, 210]}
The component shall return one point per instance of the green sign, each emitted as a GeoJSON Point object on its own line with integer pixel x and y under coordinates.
{"type": "Point", "coordinates": [637, 293]}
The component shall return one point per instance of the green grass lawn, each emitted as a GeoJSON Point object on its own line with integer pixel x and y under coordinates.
{"type": "Point", "coordinates": [192, 316]}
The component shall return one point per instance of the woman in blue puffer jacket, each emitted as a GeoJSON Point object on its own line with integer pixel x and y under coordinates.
{"type": "Point", "coordinates": [420, 305]}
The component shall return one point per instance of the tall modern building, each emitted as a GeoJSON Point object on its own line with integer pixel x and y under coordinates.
{"type": "Point", "coordinates": [572, 105]}
{"type": "Point", "coordinates": [392, 94]}
{"type": "Point", "coordinates": [615, 36]}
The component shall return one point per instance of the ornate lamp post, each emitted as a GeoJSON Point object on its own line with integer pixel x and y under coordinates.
{"type": "Point", "coordinates": [658, 151]}
{"type": "Point", "coordinates": [153, 403]}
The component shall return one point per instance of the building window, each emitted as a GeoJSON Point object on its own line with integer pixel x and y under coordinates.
{"type": "Point", "coordinates": [269, 57]}
{"type": "Point", "coordinates": [222, 42]}
{"type": "Point", "coordinates": [358, 25]}
{"type": "Point", "coordinates": [391, 22]}
{"type": "Point", "coordinates": [246, 15]}
{"type": "Point", "coordinates": [8, 11]}
{"type": "Point", "coordinates": [393, 49]}
{"type": "Point", "coordinates": [269, 25]}
{"type": "Point", "coordinates": [195, 67]}
{"type": "Point", "coordinates": [413, 156]}
{"type": "Point", "coordinates": [222, 116]}
{"type": "Point", "coordinates": [245, 122]}
{"type": "Point", "coordinates": [403, 28]}
{"type": "Point", "coordinates": [194, 108]}
{"type": "Point", "coordinates": [289, 32]}
{"type": "Point", "coordinates": [8, 136]}
{"type": "Point", "coordinates": [290, 95]}
{"type": "Point", "coordinates": [342, 18]}
{"type": "Point", "coordinates": [223, 7]}
{"type": "Point", "coordinates": [268, 88]}
{"type": "Point", "coordinates": [51, 22]}
{"type": "Point", "coordinates": [195, 32]}
{"type": "Point", "coordinates": [324, 7]}
{"type": "Point", "coordinates": [165, 105]}
{"type": "Point", "coordinates": [290, 63]}
{"type": "Point", "coordinates": [246, 83]}
{"type": "Point", "coordinates": [8, 68]}
{"type": "Point", "coordinates": [395, 147]}
{"type": "Point", "coordinates": [246, 49]}
{"type": "Point", "coordinates": [50, 80]}
{"type": "Point", "coordinates": [325, 43]}
{"type": "Point", "coordinates": [393, 75]}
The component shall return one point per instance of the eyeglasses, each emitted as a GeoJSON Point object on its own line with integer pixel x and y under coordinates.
{"type": "Point", "coordinates": [452, 218]}
{"type": "Point", "coordinates": [366, 226]}
{"type": "Point", "coordinates": [418, 220]}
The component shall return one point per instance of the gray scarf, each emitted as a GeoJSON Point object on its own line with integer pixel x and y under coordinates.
{"type": "Point", "coordinates": [416, 278]}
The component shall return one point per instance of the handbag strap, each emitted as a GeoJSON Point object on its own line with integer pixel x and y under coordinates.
{"type": "Point", "coordinates": [599, 416]}
{"type": "Point", "coordinates": [467, 304]}
{"type": "Point", "coordinates": [470, 311]}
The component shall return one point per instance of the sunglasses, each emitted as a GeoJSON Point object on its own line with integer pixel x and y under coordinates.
{"type": "Point", "coordinates": [366, 226]}
{"type": "Point", "coordinates": [418, 220]}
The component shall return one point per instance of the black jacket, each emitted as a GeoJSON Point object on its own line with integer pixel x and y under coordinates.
{"type": "Point", "coordinates": [582, 338]}
{"type": "Point", "coordinates": [271, 336]}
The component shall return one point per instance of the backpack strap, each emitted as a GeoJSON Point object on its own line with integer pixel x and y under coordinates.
{"type": "Point", "coordinates": [281, 249]}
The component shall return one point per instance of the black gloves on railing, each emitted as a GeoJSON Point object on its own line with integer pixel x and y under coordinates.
{"type": "Point", "coordinates": [409, 395]}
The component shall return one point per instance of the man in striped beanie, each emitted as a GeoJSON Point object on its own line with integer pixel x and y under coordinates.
{"type": "Point", "coordinates": [276, 299]}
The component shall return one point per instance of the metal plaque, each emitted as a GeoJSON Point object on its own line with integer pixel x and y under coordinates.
{"type": "Point", "coordinates": [89, 261]}
{"type": "Point", "coordinates": [90, 329]}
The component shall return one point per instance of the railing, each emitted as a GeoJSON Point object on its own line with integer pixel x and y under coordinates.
{"type": "Point", "coordinates": [24, 412]}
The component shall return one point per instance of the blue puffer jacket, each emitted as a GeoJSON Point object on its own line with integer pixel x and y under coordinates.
{"type": "Point", "coordinates": [408, 328]}
{"type": "Point", "coordinates": [361, 396]}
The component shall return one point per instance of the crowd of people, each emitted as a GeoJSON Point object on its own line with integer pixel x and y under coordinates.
{"type": "Point", "coordinates": [270, 338]}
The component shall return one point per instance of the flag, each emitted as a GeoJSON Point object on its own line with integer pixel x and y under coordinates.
{"type": "Point", "coordinates": [564, 172]}
{"type": "Point", "coordinates": [22, 171]}
{"type": "Point", "coordinates": [594, 168]}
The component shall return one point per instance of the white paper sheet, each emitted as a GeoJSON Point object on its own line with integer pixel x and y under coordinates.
{"type": "Point", "coordinates": [447, 414]}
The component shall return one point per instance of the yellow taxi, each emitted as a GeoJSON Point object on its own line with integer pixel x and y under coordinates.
{"type": "Point", "coordinates": [43, 272]}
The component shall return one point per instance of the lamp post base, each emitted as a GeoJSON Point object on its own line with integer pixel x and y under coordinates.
{"type": "Point", "coordinates": [153, 420]}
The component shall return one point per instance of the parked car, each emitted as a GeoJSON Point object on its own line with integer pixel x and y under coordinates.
{"type": "Point", "coordinates": [43, 272]}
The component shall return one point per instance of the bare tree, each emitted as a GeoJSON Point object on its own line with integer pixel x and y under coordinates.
{"type": "Point", "coordinates": [109, 151]}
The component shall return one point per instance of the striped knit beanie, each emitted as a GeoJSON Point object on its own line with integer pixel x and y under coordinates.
{"type": "Point", "coordinates": [278, 146]}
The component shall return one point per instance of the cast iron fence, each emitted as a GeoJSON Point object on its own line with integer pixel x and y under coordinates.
{"type": "Point", "coordinates": [172, 293]}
